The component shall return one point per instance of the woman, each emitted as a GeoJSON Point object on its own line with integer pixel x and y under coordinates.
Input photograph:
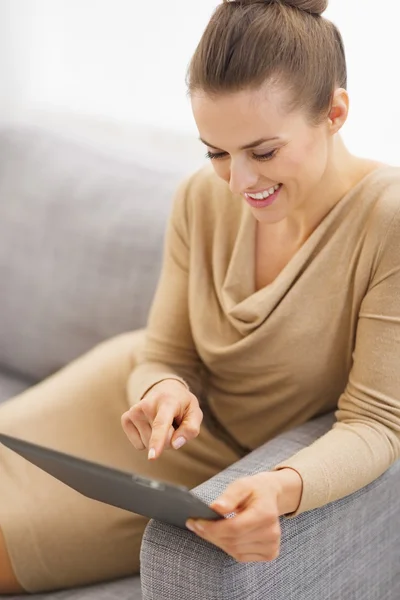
{"type": "Point", "coordinates": [278, 301]}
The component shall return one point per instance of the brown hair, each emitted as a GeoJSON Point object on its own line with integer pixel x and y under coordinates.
{"type": "Point", "coordinates": [250, 42]}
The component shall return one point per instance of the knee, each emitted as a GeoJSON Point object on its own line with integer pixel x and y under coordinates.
{"type": "Point", "coordinates": [8, 581]}
{"type": "Point", "coordinates": [119, 354]}
{"type": "Point", "coordinates": [123, 346]}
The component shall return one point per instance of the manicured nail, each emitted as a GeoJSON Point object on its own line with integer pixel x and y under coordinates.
{"type": "Point", "coordinates": [178, 443]}
{"type": "Point", "coordinates": [152, 454]}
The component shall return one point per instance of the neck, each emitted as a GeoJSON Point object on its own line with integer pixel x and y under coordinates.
{"type": "Point", "coordinates": [343, 173]}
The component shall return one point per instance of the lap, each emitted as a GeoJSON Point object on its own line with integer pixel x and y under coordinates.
{"type": "Point", "coordinates": [56, 537]}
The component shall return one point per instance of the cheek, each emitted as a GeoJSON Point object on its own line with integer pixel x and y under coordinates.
{"type": "Point", "coordinates": [316, 152]}
{"type": "Point", "coordinates": [306, 162]}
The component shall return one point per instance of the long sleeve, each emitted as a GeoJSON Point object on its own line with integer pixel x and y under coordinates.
{"type": "Point", "coordinates": [324, 335]}
{"type": "Point", "coordinates": [365, 440]}
{"type": "Point", "coordinates": [169, 351]}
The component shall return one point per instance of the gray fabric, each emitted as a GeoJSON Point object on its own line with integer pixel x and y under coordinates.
{"type": "Point", "coordinates": [125, 589]}
{"type": "Point", "coordinates": [11, 385]}
{"type": "Point", "coordinates": [81, 238]}
{"type": "Point", "coordinates": [348, 550]}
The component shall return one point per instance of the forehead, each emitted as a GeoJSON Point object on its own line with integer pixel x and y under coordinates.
{"type": "Point", "coordinates": [228, 119]}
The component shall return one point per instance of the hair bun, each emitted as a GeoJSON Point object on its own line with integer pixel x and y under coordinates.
{"type": "Point", "coordinates": [314, 7]}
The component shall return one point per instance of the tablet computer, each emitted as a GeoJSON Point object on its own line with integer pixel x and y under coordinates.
{"type": "Point", "coordinates": [148, 497]}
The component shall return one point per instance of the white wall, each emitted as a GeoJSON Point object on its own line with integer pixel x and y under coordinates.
{"type": "Point", "coordinates": [126, 60]}
{"type": "Point", "coordinates": [120, 58]}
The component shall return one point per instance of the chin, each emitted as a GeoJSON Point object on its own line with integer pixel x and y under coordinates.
{"type": "Point", "coordinates": [268, 217]}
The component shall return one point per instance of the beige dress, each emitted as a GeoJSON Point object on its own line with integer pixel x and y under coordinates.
{"type": "Point", "coordinates": [324, 335]}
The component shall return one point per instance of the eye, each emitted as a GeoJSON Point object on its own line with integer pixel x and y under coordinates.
{"type": "Point", "coordinates": [264, 157]}
{"type": "Point", "coordinates": [215, 155]}
{"type": "Point", "coordinates": [261, 157]}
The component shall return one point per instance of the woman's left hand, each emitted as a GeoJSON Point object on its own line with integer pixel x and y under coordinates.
{"type": "Point", "coordinates": [254, 533]}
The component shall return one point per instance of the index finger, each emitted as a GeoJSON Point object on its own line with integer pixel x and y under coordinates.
{"type": "Point", "coordinates": [160, 430]}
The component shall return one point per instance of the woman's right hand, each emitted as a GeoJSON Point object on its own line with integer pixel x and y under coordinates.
{"type": "Point", "coordinates": [169, 415]}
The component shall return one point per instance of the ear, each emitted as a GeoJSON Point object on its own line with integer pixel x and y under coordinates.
{"type": "Point", "coordinates": [339, 110]}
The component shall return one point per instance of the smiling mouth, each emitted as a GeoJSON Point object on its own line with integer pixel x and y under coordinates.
{"type": "Point", "coordinates": [265, 198]}
{"type": "Point", "coordinates": [265, 194]}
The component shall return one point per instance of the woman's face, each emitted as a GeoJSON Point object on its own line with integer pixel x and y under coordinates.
{"type": "Point", "coordinates": [274, 159]}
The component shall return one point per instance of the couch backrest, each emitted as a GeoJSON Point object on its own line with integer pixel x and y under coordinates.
{"type": "Point", "coordinates": [81, 236]}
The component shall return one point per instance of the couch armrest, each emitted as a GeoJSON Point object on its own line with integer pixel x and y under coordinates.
{"type": "Point", "coordinates": [347, 550]}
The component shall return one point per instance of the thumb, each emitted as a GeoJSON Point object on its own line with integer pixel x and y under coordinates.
{"type": "Point", "coordinates": [234, 497]}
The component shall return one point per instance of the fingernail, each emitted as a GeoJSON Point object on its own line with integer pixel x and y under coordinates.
{"type": "Point", "coordinates": [152, 454]}
{"type": "Point", "coordinates": [195, 526]}
{"type": "Point", "coordinates": [190, 526]}
{"type": "Point", "coordinates": [178, 443]}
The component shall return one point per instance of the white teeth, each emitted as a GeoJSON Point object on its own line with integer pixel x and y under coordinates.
{"type": "Point", "coordinates": [265, 194]}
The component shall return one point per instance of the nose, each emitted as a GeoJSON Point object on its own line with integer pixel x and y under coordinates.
{"type": "Point", "coordinates": [242, 177]}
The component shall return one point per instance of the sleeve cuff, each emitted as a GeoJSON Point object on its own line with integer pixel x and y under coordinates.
{"type": "Point", "coordinates": [142, 380]}
{"type": "Point", "coordinates": [315, 484]}
{"type": "Point", "coordinates": [163, 378]}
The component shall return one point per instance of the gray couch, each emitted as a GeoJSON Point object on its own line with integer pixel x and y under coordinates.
{"type": "Point", "coordinates": [80, 247]}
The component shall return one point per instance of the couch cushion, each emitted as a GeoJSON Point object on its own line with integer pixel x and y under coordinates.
{"type": "Point", "coordinates": [81, 237]}
{"type": "Point", "coordinates": [11, 385]}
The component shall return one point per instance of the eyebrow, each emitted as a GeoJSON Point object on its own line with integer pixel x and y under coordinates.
{"type": "Point", "coordinates": [246, 146]}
